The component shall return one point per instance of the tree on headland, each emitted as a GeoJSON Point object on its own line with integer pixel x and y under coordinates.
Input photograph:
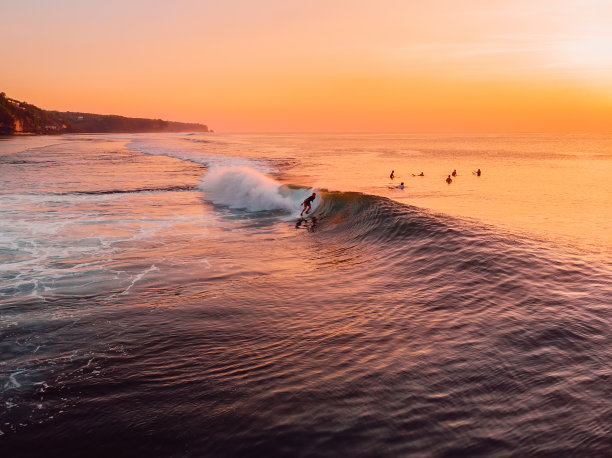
{"type": "Point", "coordinates": [7, 123]}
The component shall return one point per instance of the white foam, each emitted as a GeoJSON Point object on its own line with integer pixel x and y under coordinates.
{"type": "Point", "coordinates": [13, 383]}
{"type": "Point", "coordinates": [235, 181]}
{"type": "Point", "coordinates": [138, 278]}
{"type": "Point", "coordinates": [246, 188]}
{"type": "Point", "coordinates": [195, 152]}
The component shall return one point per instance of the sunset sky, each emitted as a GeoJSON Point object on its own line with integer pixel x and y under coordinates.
{"type": "Point", "coordinates": [333, 65]}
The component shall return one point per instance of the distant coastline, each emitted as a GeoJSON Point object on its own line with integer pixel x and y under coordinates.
{"type": "Point", "coordinates": [20, 118]}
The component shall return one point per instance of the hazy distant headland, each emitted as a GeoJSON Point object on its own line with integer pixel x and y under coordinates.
{"type": "Point", "coordinates": [22, 118]}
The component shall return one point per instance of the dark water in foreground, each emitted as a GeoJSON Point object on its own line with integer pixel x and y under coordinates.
{"type": "Point", "coordinates": [138, 317]}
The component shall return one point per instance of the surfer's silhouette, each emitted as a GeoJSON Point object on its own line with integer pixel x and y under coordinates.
{"type": "Point", "coordinates": [307, 203]}
{"type": "Point", "coordinates": [392, 174]}
{"type": "Point", "coordinates": [400, 186]}
{"type": "Point", "coordinates": [449, 180]}
{"type": "Point", "coordinates": [454, 173]}
{"type": "Point", "coordinates": [478, 172]}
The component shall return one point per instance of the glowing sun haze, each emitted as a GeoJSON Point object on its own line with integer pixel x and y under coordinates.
{"type": "Point", "coordinates": [334, 65]}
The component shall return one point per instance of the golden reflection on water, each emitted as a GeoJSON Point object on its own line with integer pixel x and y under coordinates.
{"type": "Point", "coordinates": [553, 189]}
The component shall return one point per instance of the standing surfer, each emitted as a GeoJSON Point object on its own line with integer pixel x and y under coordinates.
{"type": "Point", "coordinates": [307, 203]}
{"type": "Point", "coordinates": [392, 174]}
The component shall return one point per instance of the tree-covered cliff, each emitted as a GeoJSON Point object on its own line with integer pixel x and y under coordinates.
{"type": "Point", "coordinates": [21, 117]}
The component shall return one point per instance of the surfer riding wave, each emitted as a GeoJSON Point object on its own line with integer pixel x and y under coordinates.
{"type": "Point", "coordinates": [307, 203]}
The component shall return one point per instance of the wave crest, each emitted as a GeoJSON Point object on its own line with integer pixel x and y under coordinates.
{"type": "Point", "coordinates": [245, 188]}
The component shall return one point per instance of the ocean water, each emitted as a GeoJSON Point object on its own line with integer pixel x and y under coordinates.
{"type": "Point", "coordinates": [160, 296]}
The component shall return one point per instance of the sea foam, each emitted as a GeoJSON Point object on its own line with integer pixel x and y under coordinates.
{"type": "Point", "coordinates": [246, 188]}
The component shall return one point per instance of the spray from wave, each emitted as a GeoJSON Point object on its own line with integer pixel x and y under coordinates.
{"type": "Point", "coordinates": [246, 188]}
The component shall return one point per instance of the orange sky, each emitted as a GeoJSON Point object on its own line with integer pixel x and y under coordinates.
{"type": "Point", "coordinates": [334, 65]}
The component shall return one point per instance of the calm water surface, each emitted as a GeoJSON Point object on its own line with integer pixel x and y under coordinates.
{"type": "Point", "coordinates": [159, 296]}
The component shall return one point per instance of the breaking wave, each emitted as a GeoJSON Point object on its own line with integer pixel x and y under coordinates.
{"type": "Point", "coordinates": [245, 188]}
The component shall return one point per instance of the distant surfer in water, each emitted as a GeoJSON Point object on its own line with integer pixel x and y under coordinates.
{"type": "Point", "coordinates": [400, 186]}
{"type": "Point", "coordinates": [478, 172]}
{"type": "Point", "coordinates": [392, 174]}
{"type": "Point", "coordinates": [449, 180]}
{"type": "Point", "coordinates": [454, 173]}
{"type": "Point", "coordinates": [307, 203]}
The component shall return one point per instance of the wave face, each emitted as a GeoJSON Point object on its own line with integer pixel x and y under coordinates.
{"type": "Point", "coordinates": [246, 188]}
{"type": "Point", "coordinates": [477, 262]}
{"type": "Point", "coordinates": [378, 220]}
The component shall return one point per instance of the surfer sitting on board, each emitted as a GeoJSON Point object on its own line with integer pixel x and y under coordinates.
{"type": "Point", "coordinates": [401, 185]}
{"type": "Point", "coordinates": [307, 202]}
